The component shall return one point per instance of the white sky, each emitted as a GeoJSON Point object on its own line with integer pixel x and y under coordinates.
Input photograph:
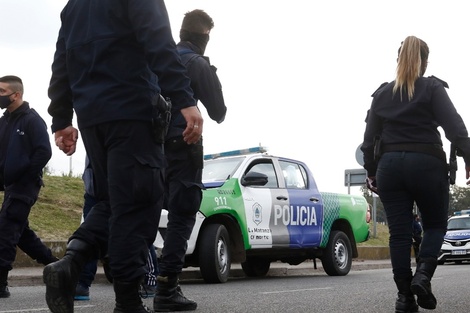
{"type": "Point", "coordinates": [297, 75]}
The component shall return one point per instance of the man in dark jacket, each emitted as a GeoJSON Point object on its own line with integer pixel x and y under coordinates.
{"type": "Point", "coordinates": [24, 151]}
{"type": "Point", "coordinates": [185, 162]}
{"type": "Point", "coordinates": [113, 58]}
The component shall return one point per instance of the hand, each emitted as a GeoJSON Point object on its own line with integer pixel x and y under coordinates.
{"type": "Point", "coordinates": [194, 121]}
{"type": "Point", "coordinates": [66, 139]}
{"type": "Point", "coordinates": [371, 184]}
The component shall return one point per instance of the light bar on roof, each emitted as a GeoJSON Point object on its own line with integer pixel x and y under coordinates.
{"type": "Point", "coordinates": [253, 150]}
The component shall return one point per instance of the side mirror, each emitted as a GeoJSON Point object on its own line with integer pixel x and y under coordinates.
{"type": "Point", "coordinates": [254, 179]}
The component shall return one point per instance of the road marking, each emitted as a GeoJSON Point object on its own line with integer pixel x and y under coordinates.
{"type": "Point", "coordinates": [295, 290]}
{"type": "Point", "coordinates": [45, 309]}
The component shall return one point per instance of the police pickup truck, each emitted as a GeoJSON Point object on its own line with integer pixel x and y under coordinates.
{"type": "Point", "coordinates": [456, 245]}
{"type": "Point", "coordinates": [258, 208]}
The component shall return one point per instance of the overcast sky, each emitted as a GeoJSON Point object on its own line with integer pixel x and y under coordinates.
{"type": "Point", "coordinates": [297, 75]}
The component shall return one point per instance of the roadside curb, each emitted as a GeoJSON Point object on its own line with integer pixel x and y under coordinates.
{"type": "Point", "coordinates": [32, 276]}
{"type": "Point", "coordinates": [58, 249]}
{"type": "Point", "coordinates": [26, 272]}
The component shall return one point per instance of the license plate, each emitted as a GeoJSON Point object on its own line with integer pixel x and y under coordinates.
{"type": "Point", "coordinates": [459, 252]}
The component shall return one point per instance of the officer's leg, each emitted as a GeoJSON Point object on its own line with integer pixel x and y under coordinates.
{"type": "Point", "coordinates": [87, 241]}
{"type": "Point", "coordinates": [432, 188]}
{"type": "Point", "coordinates": [135, 188]}
{"type": "Point", "coordinates": [32, 245]}
{"type": "Point", "coordinates": [184, 198]}
{"type": "Point", "coordinates": [13, 215]}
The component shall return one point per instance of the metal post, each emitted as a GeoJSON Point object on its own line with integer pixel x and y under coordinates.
{"type": "Point", "coordinates": [374, 214]}
{"type": "Point", "coordinates": [349, 183]}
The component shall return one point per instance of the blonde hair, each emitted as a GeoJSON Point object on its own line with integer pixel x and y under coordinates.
{"type": "Point", "coordinates": [412, 62]}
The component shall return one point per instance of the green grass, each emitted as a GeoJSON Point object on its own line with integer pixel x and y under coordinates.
{"type": "Point", "coordinates": [381, 238]}
{"type": "Point", "coordinates": [57, 213]}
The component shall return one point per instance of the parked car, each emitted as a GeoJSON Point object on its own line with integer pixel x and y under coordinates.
{"type": "Point", "coordinates": [258, 208]}
{"type": "Point", "coordinates": [456, 245]}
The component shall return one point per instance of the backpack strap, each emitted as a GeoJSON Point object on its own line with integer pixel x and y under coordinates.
{"type": "Point", "coordinates": [187, 61]}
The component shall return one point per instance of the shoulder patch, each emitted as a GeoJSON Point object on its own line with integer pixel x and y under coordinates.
{"type": "Point", "coordinates": [445, 84]}
{"type": "Point", "coordinates": [375, 92]}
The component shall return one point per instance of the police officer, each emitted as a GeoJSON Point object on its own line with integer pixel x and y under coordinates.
{"type": "Point", "coordinates": [112, 59]}
{"type": "Point", "coordinates": [184, 172]}
{"type": "Point", "coordinates": [406, 114]}
{"type": "Point", "coordinates": [24, 151]}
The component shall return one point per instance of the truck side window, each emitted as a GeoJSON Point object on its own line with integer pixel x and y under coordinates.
{"type": "Point", "coordinates": [268, 170]}
{"type": "Point", "coordinates": [293, 175]}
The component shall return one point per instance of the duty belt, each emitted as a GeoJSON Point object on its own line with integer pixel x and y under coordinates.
{"type": "Point", "coordinates": [427, 148]}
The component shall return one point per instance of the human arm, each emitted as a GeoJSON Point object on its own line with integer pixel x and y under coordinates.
{"type": "Point", "coordinates": [151, 26]}
{"type": "Point", "coordinates": [452, 123]}
{"type": "Point", "coordinates": [373, 129]}
{"type": "Point", "coordinates": [41, 151]}
{"type": "Point", "coordinates": [207, 88]}
{"type": "Point", "coordinates": [60, 93]}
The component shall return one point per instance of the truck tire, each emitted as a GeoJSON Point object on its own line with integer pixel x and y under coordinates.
{"type": "Point", "coordinates": [256, 267]}
{"type": "Point", "coordinates": [337, 256]}
{"type": "Point", "coordinates": [214, 254]}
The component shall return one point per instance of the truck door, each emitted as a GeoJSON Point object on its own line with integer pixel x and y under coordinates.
{"type": "Point", "coordinates": [302, 212]}
{"type": "Point", "coordinates": [259, 202]}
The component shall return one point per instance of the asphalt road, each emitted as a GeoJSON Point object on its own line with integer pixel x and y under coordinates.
{"type": "Point", "coordinates": [360, 291]}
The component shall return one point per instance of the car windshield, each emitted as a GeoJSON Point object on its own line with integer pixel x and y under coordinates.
{"type": "Point", "coordinates": [459, 223]}
{"type": "Point", "coordinates": [220, 169]}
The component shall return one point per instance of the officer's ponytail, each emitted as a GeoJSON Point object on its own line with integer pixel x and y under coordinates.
{"type": "Point", "coordinates": [412, 62]}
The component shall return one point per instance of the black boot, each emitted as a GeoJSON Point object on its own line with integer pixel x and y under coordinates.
{"type": "Point", "coordinates": [61, 277]}
{"type": "Point", "coordinates": [421, 283]}
{"type": "Point", "coordinates": [169, 297]}
{"type": "Point", "coordinates": [4, 292]}
{"type": "Point", "coordinates": [406, 302]}
{"type": "Point", "coordinates": [128, 298]}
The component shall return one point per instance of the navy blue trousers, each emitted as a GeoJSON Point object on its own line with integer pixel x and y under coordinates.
{"type": "Point", "coordinates": [405, 178]}
{"type": "Point", "coordinates": [127, 166]}
{"type": "Point", "coordinates": [15, 232]}
{"type": "Point", "coordinates": [183, 198]}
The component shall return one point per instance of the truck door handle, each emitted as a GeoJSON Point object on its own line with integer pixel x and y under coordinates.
{"type": "Point", "coordinates": [281, 198]}
{"type": "Point", "coordinates": [313, 199]}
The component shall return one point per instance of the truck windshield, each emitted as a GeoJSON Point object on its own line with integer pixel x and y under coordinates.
{"type": "Point", "coordinates": [459, 223]}
{"type": "Point", "coordinates": [219, 170]}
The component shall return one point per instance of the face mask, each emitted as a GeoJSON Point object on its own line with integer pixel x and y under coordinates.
{"type": "Point", "coordinates": [5, 101]}
{"type": "Point", "coordinates": [200, 40]}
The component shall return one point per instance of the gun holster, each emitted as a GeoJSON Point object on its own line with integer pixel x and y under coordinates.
{"type": "Point", "coordinates": [452, 166]}
{"type": "Point", "coordinates": [161, 116]}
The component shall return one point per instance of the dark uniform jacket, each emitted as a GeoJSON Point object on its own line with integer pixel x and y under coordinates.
{"type": "Point", "coordinates": [205, 84]}
{"type": "Point", "coordinates": [25, 148]}
{"type": "Point", "coordinates": [400, 121]}
{"type": "Point", "coordinates": [109, 69]}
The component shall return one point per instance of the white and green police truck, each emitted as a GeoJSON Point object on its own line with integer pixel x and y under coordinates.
{"type": "Point", "coordinates": [258, 208]}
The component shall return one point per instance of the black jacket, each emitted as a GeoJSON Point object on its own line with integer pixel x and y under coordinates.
{"type": "Point", "coordinates": [25, 148]}
{"type": "Point", "coordinates": [112, 57]}
{"type": "Point", "coordinates": [415, 121]}
{"type": "Point", "coordinates": [205, 84]}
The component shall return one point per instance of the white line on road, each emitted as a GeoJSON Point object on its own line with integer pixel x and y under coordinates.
{"type": "Point", "coordinates": [295, 290]}
{"type": "Point", "coordinates": [44, 309]}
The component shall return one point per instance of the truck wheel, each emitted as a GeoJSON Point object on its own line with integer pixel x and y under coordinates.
{"type": "Point", "coordinates": [256, 267]}
{"type": "Point", "coordinates": [337, 257]}
{"type": "Point", "coordinates": [214, 254]}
